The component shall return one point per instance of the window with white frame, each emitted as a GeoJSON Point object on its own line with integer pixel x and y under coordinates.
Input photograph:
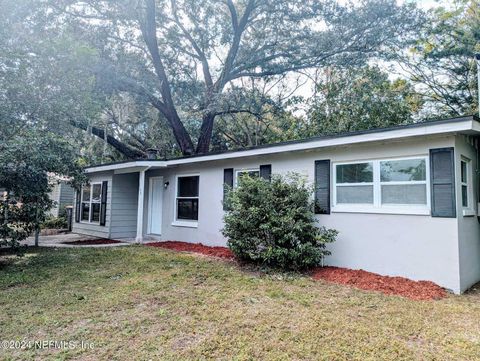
{"type": "Point", "coordinates": [381, 184]}
{"type": "Point", "coordinates": [91, 202]}
{"type": "Point", "coordinates": [403, 181]}
{"type": "Point", "coordinates": [187, 197]}
{"type": "Point", "coordinates": [465, 172]}
{"type": "Point", "coordinates": [354, 183]}
{"type": "Point", "coordinates": [253, 172]}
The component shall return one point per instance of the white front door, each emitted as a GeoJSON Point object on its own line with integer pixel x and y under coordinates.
{"type": "Point", "coordinates": [155, 200]}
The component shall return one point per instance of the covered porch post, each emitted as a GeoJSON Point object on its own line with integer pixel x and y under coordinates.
{"type": "Point", "coordinates": [141, 199]}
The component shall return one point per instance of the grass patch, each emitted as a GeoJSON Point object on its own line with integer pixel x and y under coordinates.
{"type": "Point", "coordinates": [150, 303]}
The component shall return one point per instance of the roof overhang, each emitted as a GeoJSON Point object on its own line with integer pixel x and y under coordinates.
{"type": "Point", "coordinates": [465, 125]}
{"type": "Point", "coordinates": [127, 167]}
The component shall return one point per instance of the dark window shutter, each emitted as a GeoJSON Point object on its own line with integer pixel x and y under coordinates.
{"type": "Point", "coordinates": [103, 204]}
{"type": "Point", "coordinates": [77, 205]}
{"type": "Point", "coordinates": [266, 171]}
{"type": "Point", "coordinates": [322, 186]}
{"type": "Point", "coordinates": [442, 182]}
{"type": "Point", "coordinates": [227, 185]}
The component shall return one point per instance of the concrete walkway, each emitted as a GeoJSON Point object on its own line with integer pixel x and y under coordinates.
{"type": "Point", "coordinates": [58, 239]}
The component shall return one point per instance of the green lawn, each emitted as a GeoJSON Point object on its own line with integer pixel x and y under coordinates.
{"type": "Point", "coordinates": [147, 303]}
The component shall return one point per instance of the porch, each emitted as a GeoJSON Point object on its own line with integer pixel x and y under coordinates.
{"type": "Point", "coordinates": [136, 210]}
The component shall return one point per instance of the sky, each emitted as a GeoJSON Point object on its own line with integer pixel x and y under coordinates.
{"type": "Point", "coordinates": [428, 4]}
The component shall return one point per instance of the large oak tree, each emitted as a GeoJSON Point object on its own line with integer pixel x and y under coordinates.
{"type": "Point", "coordinates": [186, 57]}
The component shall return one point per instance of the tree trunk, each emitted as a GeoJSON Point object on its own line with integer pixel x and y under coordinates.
{"type": "Point", "coordinates": [37, 231]}
{"type": "Point", "coordinates": [203, 145]}
{"type": "Point", "coordinates": [167, 107]}
{"type": "Point", "coordinates": [37, 227]}
{"type": "Point", "coordinates": [179, 132]}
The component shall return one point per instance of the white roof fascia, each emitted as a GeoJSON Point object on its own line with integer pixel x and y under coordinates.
{"type": "Point", "coordinates": [133, 164]}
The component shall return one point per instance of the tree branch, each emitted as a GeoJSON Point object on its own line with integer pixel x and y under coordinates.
{"type": "Point", "coordinates": [123, 148]}
{"type": "Point", "coordinates": [201, 55]}
{"type": "Point", "coordinates": [238, 28]}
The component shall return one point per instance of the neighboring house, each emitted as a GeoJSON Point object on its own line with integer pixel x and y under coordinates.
{"type": "Point", "coordinates": [62, 194]}
{"type": "Point", "coordinates": [404, 199]}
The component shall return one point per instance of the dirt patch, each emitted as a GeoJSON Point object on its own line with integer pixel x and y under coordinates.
{"type": "Point", "coordinates": [415, 290]}
{"type": "Point", "coordinates": [221, 252]}
{"type": "Point", "coordinates": [91, 242]}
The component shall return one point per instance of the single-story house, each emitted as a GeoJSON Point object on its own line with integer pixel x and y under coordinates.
{"type": "Point", "coordinates": [404, 199]}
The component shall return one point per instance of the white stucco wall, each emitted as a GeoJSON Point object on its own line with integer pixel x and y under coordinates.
{"type": "Point", "coordinates": [414, 246]}
{"type": "Point", "coordinates": [468, 224]}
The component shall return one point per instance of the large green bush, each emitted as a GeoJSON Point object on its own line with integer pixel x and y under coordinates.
{"type": "Point", "coordinates": [272, 223]}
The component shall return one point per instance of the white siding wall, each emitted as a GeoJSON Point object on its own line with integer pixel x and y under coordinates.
{"type": "Point", "coordinates": [93, 229]}
{"type": "Point", "coordinates": [468, 225]}
{"type": "Point", "coordinates": [124, 206]}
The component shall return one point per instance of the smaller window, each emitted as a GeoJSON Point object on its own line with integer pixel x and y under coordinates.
{"type": "Point", "coordinates": [91, 200]}
{"type": "Point", "coordinates": [85, 212]}
{"type": "Point", "coordinates": [187, 198]}
{"type": "Point", "coordinates": [254, 173]}
{"type": "Point", "coordinates": [464, 177]}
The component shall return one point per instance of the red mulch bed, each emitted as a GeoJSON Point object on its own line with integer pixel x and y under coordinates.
{"type": "Point", "coordinates": [415, 290]}
{"type": "Point", "coordinates": [221, 252]}
{"type": "Point", "coordinates": [90, 242]}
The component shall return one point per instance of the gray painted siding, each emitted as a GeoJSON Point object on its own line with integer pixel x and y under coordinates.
{"type": "Point", "coordinates": [124, 206]}
{"type": "Point", "coordinates": [63, 194]}
{"type": "Point", "coordinates": [93, 229]}
{"type": "Point", "coordinates": [66, 197]}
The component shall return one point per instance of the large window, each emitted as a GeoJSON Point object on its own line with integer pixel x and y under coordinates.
{"type": "Point", "coordinates": [381, 184]}
{"type": "Point", "coordinates": [91, 200]}
{"type": "Point", "coordinates": [187, 198]}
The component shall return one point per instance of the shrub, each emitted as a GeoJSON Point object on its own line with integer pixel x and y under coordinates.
{"type": "Point", "coordinates": [272, 223]}
{"type": "Point", "coordinates": [55, 223]}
